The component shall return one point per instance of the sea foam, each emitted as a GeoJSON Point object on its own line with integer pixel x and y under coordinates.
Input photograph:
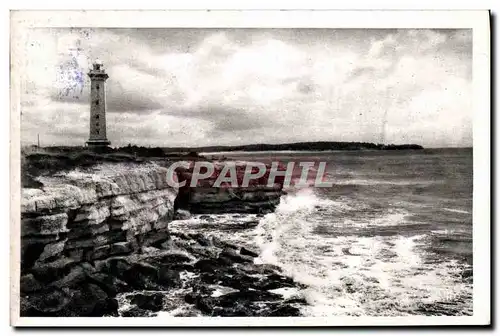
{"type": "Point", "coordinates": [356, 274]}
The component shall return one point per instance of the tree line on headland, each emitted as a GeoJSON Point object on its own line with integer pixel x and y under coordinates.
{"type": "Point", "coordinates": [297, 146]}
{"type": "Point", "coordinates": [143, 151]}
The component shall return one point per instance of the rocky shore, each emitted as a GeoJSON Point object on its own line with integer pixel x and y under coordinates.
{"type": "Point", "coordinates": [184, 275]}
{"type": "Point", "coordinates": [204, 198]}
{"type": "Point", "coordinates": [98, 242]}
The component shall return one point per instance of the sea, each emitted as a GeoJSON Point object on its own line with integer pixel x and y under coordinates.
{"type": "Point", "coordinates": [392, 236]}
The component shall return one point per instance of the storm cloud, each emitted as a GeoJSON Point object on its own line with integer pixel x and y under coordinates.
{"type": "Point", "coordinates": [195, 87]}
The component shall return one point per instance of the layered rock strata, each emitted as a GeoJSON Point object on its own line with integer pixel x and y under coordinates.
{"type": "Point", "coordinates": [203, 198]}
{"type": "Point", "coordinates": [91, 239]}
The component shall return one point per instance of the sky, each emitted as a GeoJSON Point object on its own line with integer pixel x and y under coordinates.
{"type": "Point", "coordinates": [197, 87]}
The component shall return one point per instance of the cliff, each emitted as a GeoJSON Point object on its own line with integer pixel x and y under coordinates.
{"type": "Point", "coordinates": [91, 238]}
{"type": "Point", "coordinates": [204, 198]}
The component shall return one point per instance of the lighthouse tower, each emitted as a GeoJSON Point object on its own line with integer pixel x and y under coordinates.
{"type": "Point", "coordinates": [97, 135]}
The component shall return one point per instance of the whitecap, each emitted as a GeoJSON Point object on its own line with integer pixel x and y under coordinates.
{"type": "Point", "coordinates": [381, 275]}
{"type": "Point", "coordinates": [457, 210]}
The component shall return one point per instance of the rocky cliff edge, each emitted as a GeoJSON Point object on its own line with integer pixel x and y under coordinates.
{"type": "Point", "coordinates": [92, 238]}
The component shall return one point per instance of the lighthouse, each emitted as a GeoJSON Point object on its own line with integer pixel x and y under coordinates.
{"type": "Point", "coordinates": [97, 131]}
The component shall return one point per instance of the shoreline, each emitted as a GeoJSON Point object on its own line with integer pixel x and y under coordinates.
{"type": "Point", "coordinates": [93, 236]}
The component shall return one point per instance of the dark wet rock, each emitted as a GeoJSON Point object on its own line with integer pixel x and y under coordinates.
{"type": "Point", "coordinates": [75, 276]}
{"type": "Point", "coordinates": [439, 309]}
{"type": "Point", "coordinates": [106, 307]}
{"type": "Point", "coordinates": [182, 214]}
{"type": "Point", "coordinates": [155, 239]}
{"type": "Point", "coordinates": [467, 273]}
{"type": "Point", "coordinates": [90, 236]}
{"type": "Point", "coordinates": [200, 239]}
{"type": "Point", "coordinates": [190, 297]}
{"type": "Point", "coordinates": [110, 284]}
{"type": "Point", "coordinates": [237, 226]}
{"type": "Point", "coordinates": [199, 251]}
{"type": "Point", "coordinates": [274, 281]}
{"type": "Point", "coordinates": [235, 256]}
{"type": "Point", "coordinates": [296, 300]}
{"type": "Point", "coordinates": [105, 238]}
{"type": "Point", "coordinates": [32, 248]}
{"type": "Point", "coordinates": [115, 265]}
{"type": "Point", "coordinates": [266, 211]}
{"type": "Point", "coordinates": [45, 303]}
{"type": "Point", "coordinates": [217, 242]}
{"type": "Point", "coordinates": [210, 265]}
{"type": "Point", "coordinates": [101, 252]}
{"type": "Point", "coordinates": [245, 302]}
{"type": "Point", "coordinates": [237, 309]}
{"type": "Point", "coordinates": [88, 300]}
{"type": "Point", "coordinates": [153, 302]}
{"type": "Point", "coordinates": [141, 276]}
{"type": "Point", "coordinates": [182, 267]}
{"type": "Point", "coordinates": [48, 272]}
{"type": "Point", "coordinates": [29, 284]}
{"type": "Point", "coordinates": [174, 258]}
{"type": "Point", "coordinates": [52, 250]}
{"type": "Point", "coordinates": [236, 278]}
{"type": "Point", "coordinates": [285, 310]}
{"type": "Point", "coordinates": [224, 261]}
{"type": "Point", "coordinates": [136, 312]}
{"type": "Point", "coordinates": [248, 252]}
{"type": "Point", "coordinates": [247, 295]}
{"type": "Point", "coordinates": [169, 277]}
{"type": "Point", "coordinates": [89, 289]}
{"type": "Point", "coordinates": [259, 268]}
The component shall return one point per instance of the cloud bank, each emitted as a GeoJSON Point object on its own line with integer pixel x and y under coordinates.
{"type": "Point", "coordinates": [195, 87]}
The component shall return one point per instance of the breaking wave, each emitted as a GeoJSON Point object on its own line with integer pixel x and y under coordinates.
{"type": "Point", "coordinates": [457, 211]}
{"type": "Point", "coordinates": [359, 273]}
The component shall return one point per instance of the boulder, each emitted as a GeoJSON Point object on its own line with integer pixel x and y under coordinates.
{"type": "Point", "coordinates": [284, 310]}
{"type": "Point", "coordinates": [235, 256]}
{"type": "Point", "coordinates": [75, 276]}
{"type": "Point", "coordinates": [182, 214]}
{"type": "Point", "coordinates": [90, 300]}
{"type": "Point", "coordinates": [153, 302]}
{"type": "Point", "coordinates": [46, 303]}
{"type": "Point", "coordinates": [168, 277]}
{"type": "Point", "coordinates": [136, 312]}
{"type": "Point", "coordinates": [51, 271]}
{"type": "Point", "coordinates": [211, 265]}
{"type": "Point", "coordinates": [110, 284]}
{"type": "Point", "coordinates": [248, 252]}
{"type": "Point", "coordinates": [30, 284]}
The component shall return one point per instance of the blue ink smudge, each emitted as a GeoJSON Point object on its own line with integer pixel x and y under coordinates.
{"type": "Point", "coordinates": [71, 74]}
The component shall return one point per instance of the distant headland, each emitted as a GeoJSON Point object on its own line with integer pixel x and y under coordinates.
{"type": "Point", "coordinates": [297, 146]}
{"type": "Point", "coordinates": [156, 151]}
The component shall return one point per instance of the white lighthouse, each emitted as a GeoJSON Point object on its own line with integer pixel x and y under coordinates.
{"type": "Point", "coordinates": [97, 133]}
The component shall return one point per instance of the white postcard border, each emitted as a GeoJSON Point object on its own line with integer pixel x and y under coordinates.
{"type": "Point", "coordinates": [476, 20]}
